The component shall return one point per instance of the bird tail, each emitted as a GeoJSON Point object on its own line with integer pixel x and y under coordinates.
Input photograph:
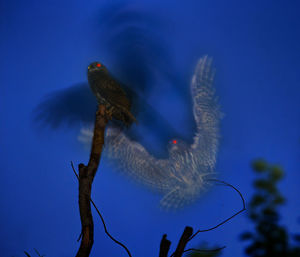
{"type": "Point", "coordinates": [125, 116]}
{"type": "Point", "coordinates": [130, 118]}
{"type": "Point", "coordinates": [176, 199]}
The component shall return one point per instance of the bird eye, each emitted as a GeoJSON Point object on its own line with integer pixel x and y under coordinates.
{"type": "Point", "coordinates": [174, 142]}
{"type": "Point", "coordinates": [98, 65]}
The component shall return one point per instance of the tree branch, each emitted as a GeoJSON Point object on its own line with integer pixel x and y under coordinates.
{"type": "Point", "coordinates": [164, 246]}
{"type": "Point", "coordinates": [187, 233]}
{"type": "Point", "coordinates": [102, 219]}
{"type": "Point", "coordinates": [86, 177]}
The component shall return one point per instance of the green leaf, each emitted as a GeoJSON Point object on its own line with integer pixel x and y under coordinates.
{"type": "Point", "coordinates": [265, 185]}
{"type": "Point", "coordinates": [276, 173]}
{"type": "Point", "coordinates": [204, 246]}
{"type": "Point", "coordinates": [257, 200]}
{"type": "Point", "coordinates": [260, 165]}
{"type": "Point", "coordinates": [279, 200]}
{"type": "Point", "coordinates": [270, 212]}
{"type": "Point", "coordinates": [296, 237]}
{"type": "Point", "coordinates": [254, 216]}
{"type": "Point", "coordinates": [246, 236]}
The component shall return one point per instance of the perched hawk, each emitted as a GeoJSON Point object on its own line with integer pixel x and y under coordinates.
{"type": "Point", "coordinates": [109, 92]}
{"type": "Point", "coordinates": [184, 174]}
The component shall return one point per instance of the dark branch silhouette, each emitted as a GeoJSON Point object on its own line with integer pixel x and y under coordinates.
{"type": "Point", "coordinates": [102, 219]}
{"type": "Point", "coordinates": [164, 246]}
{"type": "Point", "coordinates": [186, 236]}
{"type": "Point", "coordinates": [86, 177]}
{"type": "Point", "coordinates": [188, 231]}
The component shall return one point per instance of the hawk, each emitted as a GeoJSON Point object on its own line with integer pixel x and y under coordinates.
{"type": "Point", "coordinates": [182, 176]}
{"type": "Point", "coordinates": [109, 92]}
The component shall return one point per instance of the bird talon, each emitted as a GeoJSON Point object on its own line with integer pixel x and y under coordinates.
{"type": "Point", "coordinates": [109, 112]}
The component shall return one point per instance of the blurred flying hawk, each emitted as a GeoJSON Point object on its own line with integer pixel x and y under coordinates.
{"type": "Point", "coordinates": [183, 175]}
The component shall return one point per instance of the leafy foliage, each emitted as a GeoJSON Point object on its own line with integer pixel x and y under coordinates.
{"type": "Point", "coordinates": [269, 238]}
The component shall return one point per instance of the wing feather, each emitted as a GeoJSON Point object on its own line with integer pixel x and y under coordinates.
{"type": "Point", "coordinates": [133, 159]}
{"type": "Point", "coordinates": [181, 177]}
{"type": "Point", "coordinates": [206, 113]}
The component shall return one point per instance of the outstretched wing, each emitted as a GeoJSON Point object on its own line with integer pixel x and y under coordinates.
{"type": "Point", "coordinates": [180, 177]}
{"type": "Point", "coordinates": [133, 159]}
{"type": "Point", "coordinates": [206, 113]}
{"type": "Point", "coordinates": [71, 106]}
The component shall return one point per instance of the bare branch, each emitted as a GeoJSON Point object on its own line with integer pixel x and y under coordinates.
{"type": "Point", "coordinates": [86, 177]}
{"type": "Point", "coordinates": [188, 231]}
{"type": "Point", "coordinates": [164, 246]}
{"type": "Point", "coordinates": [102, 219]}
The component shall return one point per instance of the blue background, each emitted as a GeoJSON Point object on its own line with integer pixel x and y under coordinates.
{"type": "Point", "coordinates": [47, 45]}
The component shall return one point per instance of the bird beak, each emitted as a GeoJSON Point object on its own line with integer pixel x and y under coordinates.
{"type": "Point", "coordinates": [89, 67]}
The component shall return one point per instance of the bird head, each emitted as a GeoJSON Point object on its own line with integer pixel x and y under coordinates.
{"type": "Point", "coordinates": [177, 145]}
{"type": "Point", "coordinates": [96, 66]}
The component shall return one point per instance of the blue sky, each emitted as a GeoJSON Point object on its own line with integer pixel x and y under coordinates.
{"type": "Point", "coordinates": [46, 47]}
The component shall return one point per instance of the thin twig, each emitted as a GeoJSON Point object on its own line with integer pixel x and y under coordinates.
{"type": "Point", "coordinates": [237, 213]}
{"type": "Point", "coordinates": [27, 254]}
{"type": "Point", "coordinates": [73, 168]}
{"type": "Point", "coordinates": [102, 219]}
{"type": "Point", "coordinates": [80, 236]}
